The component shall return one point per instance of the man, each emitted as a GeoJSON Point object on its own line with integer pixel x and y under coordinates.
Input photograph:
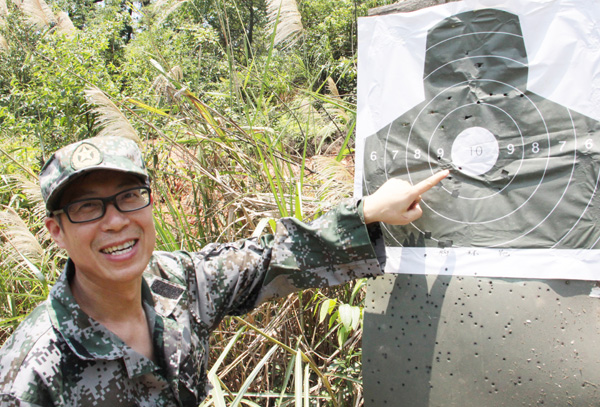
{"type": "Point", "coordinates": [124, 325]}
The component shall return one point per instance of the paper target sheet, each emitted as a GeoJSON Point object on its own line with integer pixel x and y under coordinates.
{"type": "Point", "coordinates": [505, 94]}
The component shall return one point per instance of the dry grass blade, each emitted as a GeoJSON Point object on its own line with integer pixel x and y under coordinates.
{"type": "Point", "coordinates": [3, 12]}
{"type": "Point", "coordinates": [176, 73]}
{"type": "Point", "coordinates": [336, 178]}
{"type": "Point", "coordinates": [3, 43]}
{"type": "Point", "coordinates": [163, 84]}
{"type": "Point", "coordinates": [307, 109]}
{"type": "Point", "coordinates": [33, 193]}
{"type": "Point", "coordinates": [21, 243]}
{"type": "Point", "coordinates": [109, 116]}
{"type": "Point", "coordinates": [332, 88]}
{"type": "Point", "coordinates": [39, 13]}
{"type": "Point", "coordinates": [3, 8]}
{"type": "Point", "coordinates": [163, 8]}
{"type": "Point", "coordinates": [65, 25]}
{"type": "Point", "coordinates": [285, 14]}
{"type": "Point", "coordinates": [333, 91]}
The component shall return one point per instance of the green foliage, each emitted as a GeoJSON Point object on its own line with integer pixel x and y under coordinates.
{"type": "Point", "coordinates": [80, 11]}
{"type": "Point", "coordinates": [44, 75]}
{"type": "Point", "coordinates": [239, 23]}
{"type": "Point", "coordinates": [194, 48]}
{"type": "Point", "coordinates": [331, 37]}
{"type": "Point", "coordinates": [331, 27]}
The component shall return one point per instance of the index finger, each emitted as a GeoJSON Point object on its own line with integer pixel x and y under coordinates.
{"type": "Point", "coordinates": [430, 182]}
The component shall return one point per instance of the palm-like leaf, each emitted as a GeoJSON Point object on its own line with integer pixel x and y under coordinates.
{"type": "Point", "coordinates": [109, 116]}
{"type": "Point", "coordinates": [64, 24]}
{"type": "Point", "coordinates": [285, 14]}
{"type": "Point", "coordinates": [3, 8]}
{"type": "Point", "coordinates": [39, 13]}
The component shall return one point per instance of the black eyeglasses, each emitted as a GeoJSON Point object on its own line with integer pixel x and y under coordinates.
{"type": "Point", "coordinates": [87, 210]}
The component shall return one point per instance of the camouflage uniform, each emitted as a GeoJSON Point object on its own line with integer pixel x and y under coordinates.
{"type": "Point", "coordinates": [60, 356]}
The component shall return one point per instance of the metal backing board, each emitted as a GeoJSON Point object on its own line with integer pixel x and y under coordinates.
{"type": "Point", "coordinates": [471, 342]}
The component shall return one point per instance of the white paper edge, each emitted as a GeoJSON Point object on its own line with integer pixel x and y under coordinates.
{"type": "Point", "coordinates": [578, 264]}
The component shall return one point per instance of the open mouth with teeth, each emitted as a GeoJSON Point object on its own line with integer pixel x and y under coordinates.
{"type": "Point", "coordinates": [120, 249]}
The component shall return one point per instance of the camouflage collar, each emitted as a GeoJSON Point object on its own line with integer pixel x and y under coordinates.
{"type": "Point", "coordinates": [90, 340]}
{"type": "Point", "coordinates": [87, 338]}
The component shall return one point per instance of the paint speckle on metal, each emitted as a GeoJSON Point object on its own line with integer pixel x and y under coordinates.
{"type": "Point", "coordinates": [468, 341]}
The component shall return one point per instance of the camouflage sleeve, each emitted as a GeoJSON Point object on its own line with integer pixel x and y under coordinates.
{"type": "Point", "coordinates": [334, 249]}
{"type": "Point", "coordinates": [11, 401]}
{"type": "Point", "coordinates": [29, 361]}
{"type": "Point", "coordinates": [233, 278]}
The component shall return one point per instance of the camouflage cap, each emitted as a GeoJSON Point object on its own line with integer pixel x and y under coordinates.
{"type": "Point", "coordinates": [97, 153]}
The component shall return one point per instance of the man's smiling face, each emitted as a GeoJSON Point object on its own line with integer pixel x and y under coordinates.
{"type": "Point", "coordinates": [113, 249]}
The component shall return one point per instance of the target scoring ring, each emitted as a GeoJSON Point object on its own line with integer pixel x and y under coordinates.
{"type": "Point", "coordinates": [475, 151]}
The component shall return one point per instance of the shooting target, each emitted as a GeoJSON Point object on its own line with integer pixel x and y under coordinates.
{"type": "Point", "coordinates": [524, 169]}
{"type": "Point", "coordinates": [494, 297]}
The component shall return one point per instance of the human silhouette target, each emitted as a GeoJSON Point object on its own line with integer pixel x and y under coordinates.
{"type": "Point", "coordinates": [493, 300]}
{"type": "Point", "coordinates": [524, 169]}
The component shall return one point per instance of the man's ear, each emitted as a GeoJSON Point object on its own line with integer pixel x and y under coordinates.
{"type": "Point", "coordinates": [55, 229]}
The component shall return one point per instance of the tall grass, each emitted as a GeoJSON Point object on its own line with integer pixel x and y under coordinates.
{"type": "Point", "coordinates": [221, 180]}
{"type": "Point", "coordinates": [28, 259]}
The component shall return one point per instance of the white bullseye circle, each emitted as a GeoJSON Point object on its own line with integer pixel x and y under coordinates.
{"type": "Point", "coordinates": [475, 151]}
